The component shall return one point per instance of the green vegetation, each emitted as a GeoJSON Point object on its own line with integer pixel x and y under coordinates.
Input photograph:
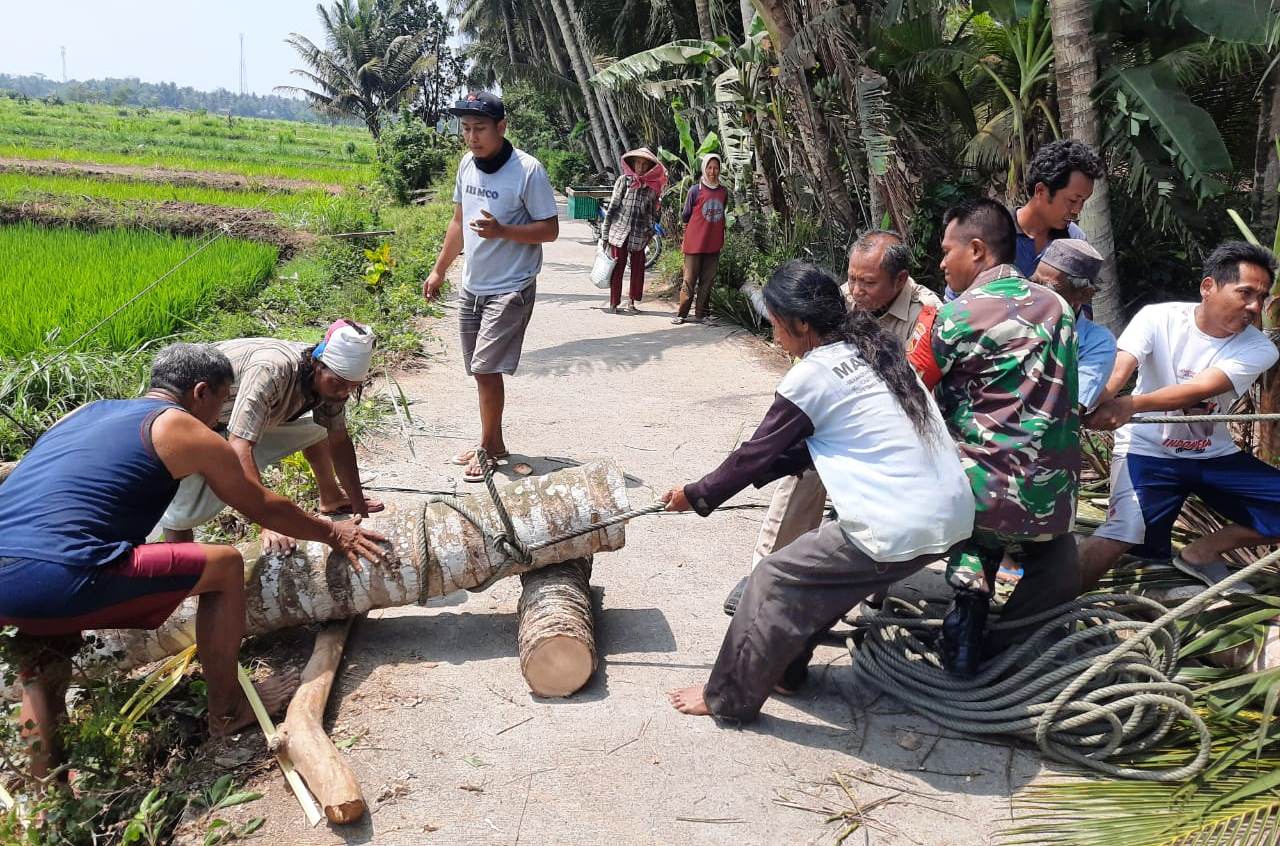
{"type": "Point", "coordinates": [185, 140]}
{"type": "Point", "coordinates": [64, 280]}
{"type": "Point", "coordinates": [17, 187]}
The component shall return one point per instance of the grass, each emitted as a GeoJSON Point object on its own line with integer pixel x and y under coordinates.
{"type": "Point", "coordinates": [60, 282]}
{"type": "Point", "coordinates": [185, 140]}
{"type": "Point", "coordinates": [17, 187]}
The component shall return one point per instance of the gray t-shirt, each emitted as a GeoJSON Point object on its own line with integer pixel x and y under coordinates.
{"type": "Point", "coordinates": [518, 193]}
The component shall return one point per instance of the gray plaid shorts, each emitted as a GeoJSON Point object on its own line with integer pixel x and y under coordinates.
{"type": "Point", "coordinates": [493, 327]}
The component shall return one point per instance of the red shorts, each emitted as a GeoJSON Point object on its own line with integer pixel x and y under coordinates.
{"type": "Point", "coordinates": [139, 590]}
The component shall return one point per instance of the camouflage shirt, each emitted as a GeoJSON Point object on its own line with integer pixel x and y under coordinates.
{"type": "Point", "coordinates": [1003, 358]}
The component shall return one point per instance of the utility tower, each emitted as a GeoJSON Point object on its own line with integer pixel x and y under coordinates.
{"type": "Point", "coordinates": [244, 74]}
{"type": "Point", "coordinates": [64, 64]}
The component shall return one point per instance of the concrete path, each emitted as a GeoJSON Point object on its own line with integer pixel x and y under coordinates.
{"type": "Point", "coordinates": [453, 749]}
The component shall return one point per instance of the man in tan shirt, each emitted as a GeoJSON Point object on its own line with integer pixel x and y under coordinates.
{"type": "Point", "coordinates": [879, 281]}
{"type": "Point", "coordinates": [287, 397]}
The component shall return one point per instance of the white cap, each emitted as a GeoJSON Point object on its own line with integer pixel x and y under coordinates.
{"type": "Point", "coordinates": [347, 350]}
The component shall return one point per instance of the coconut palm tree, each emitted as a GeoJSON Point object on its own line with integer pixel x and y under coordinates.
{"type": "Point", "coordinates": [366, 71]}
{"type": "Point", "coordinates": [1076, 70]}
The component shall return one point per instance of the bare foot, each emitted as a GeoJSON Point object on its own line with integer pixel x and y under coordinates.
{"type": "Point", "coordinates": [275, 693]}
{"type": "Point", "coordinates": [689, 700]}
{"type": "Point", "coordinates": [343, 506]}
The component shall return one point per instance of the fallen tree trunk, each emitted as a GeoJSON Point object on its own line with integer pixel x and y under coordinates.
{"type": "Point", "coordinates": [557, 641]}
{"type": "Point", "coordinates": [313, 585]}
{"type": "Point", "coordinates": [303, 737]}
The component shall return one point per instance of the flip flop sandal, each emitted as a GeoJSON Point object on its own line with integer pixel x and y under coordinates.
{"type": "Point", "coordinates": [468, 476]}
{"type": "Point", "coordinates": [1210, 574]}
{"type": "Point", "coordinates": [464, 459]}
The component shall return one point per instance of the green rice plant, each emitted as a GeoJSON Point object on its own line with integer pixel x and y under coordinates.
{"type": "Point", "coordinates": [20, 187]}
{"type": "Point", "coordinates": [57, 283]}
{"type": "Point", "coordinates": [186, 140]}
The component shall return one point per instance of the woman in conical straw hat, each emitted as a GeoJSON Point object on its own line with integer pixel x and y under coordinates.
{"type": "Point", "coordinates": [628, 224]}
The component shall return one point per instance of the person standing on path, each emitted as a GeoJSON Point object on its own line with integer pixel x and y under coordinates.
{"type": "Point", "coordinates": [879, 283]}
{"type": "Point", "coordinates": [1002, 356]}
{"type": "Point", "coordinates": [287, 397]}
{"type": "Point", "coordinates": [506, 200]}
{"type": "Point", "coordinates": [1070, 268]}
{"type": "Point", "coordinates": [704, 219]}
{"type": "Point", "coordinates": [853, 409]}
{"type": "Point", "coordinates": [628, 224]}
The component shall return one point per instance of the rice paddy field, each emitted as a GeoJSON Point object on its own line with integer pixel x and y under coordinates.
{"type": "Point", "coordinates": [19, 187]}
{"type": "Point", "coordinates": [56, 283]}
{"type": "Point", "coordinates": [80, 132]}
{"type": "Point", "coordinates": [79, 242]}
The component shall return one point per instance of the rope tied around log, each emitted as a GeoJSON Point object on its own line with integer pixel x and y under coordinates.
{"type": "Point", "coordinates": [515, 552]}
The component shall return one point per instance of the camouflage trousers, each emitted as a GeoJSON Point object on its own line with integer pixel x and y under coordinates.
{"type": "Point", "coordinates": [968, 566]}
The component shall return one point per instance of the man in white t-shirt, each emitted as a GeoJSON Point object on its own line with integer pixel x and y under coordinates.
{"type": "Point", "coordinates": [506, 200]}
{"type": "Point", "coordinates": [1191, 360]}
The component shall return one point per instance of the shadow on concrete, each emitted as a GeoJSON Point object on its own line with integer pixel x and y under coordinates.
{"type": "Point", "coordinates": [463, 637]}
{"type": "Point", "coordinates": [616, 352]}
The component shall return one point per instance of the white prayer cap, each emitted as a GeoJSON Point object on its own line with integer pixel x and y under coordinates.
{"type": "Point", "coordinates": [347, 349]}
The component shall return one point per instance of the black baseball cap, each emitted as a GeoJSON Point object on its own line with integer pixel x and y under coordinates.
{"type": "Point", "coordinates": [482, 103]}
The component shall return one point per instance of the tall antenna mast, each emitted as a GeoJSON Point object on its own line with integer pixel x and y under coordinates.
{"type": "Point", "coordinates": [244, 73]}
{"type": "Point", "coordinates": [64, 63]}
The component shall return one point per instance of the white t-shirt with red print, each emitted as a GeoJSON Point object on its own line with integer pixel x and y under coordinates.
{"type": "Point", "coordinates": [1171, 350]}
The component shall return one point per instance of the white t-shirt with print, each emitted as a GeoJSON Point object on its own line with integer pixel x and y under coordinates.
{"type": "Point", "coordinates": [896, 494]}
{"type": "Point", "coordinates": [1171, 350]}
{"type": "Point", "coordinates": [518, 193]}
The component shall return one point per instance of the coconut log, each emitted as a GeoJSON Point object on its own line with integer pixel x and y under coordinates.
{"type": "Point", "coordinates": [314, 584]}
{"type": "Point", "coordinates": [303, 737]}
{"type": "Point", "coordinates": [557, 641]}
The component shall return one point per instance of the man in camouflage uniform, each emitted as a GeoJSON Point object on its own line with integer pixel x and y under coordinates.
{"type": "Point", "coordinates": [1002, 356]}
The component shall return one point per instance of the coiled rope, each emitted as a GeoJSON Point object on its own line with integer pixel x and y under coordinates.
{"type": "Point", "coordinates": [513, 552]}
{"type": "Point", "coordinates": [1102, 692]}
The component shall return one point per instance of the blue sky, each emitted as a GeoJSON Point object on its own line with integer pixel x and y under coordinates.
{"type": "Point", "coordinates": [190, 42]}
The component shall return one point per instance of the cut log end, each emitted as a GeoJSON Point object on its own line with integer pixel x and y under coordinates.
{"type": "Point", "coordinates": [345, 813]}
{"type": "Point", "coordinates": [558, 666]}
{"type": "Point", "coordinates": [557, 642]}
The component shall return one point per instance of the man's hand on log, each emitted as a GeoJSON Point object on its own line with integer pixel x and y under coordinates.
{"type": "Point", "coordinates": [676, 500]}
{"type": "Point", "coordinates": [277, 543]}
{"type": "Point", "coordinates": [356, 542]}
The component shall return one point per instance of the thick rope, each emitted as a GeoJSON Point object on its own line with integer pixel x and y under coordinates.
{"type": "Point", "coordinates": [1102, 691]}
{"type": "Point", "coordinates": [1206, 418]}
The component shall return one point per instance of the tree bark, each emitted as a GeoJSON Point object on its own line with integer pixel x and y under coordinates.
{"type": "Point", "coordinates": [1076, 69]}
{"type": "Point", "coordinates": [706, 30]}
{"type": "Point", "coordinates": [564, 66]}
{"type": "Point", "coordinates": [748, 11]}
{"type": "Point", "coordinates": [557, 641]}
{"type": "Point", "coordinates": [824, 168]}
{"type": "Point", "coordinates": [313, 584]}
{"type": "Point", "coordinates": [302, 733]}
{"type": "Point", "coordinates": [1268, 131]}
{"type": "Point", "coordinates": [596, 113]}
{"type": "Point", "coordinates": [620, 136]}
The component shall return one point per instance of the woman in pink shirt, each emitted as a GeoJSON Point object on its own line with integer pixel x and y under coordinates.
{"type": "Point", "coordinates": [703, 216]}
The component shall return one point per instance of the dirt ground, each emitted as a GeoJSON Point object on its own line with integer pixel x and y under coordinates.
{"type": "Point", "coordinates": [172, 216]}
{"type": "Point", "coordinates": [169, 176]}
{"type": "Point", "coordinates": [453, 749]}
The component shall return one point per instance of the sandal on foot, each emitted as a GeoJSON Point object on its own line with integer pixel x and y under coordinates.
{"type": "Point", "coordinates": [1211, 573]}
{"type": "Point", "coordinates": [477, 475]}
{"type": "Point", "coordinates": [464, 459]}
